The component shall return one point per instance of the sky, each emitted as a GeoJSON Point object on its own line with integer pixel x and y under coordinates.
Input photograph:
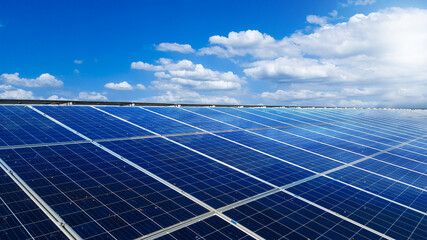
{"type": "Point", "coordinates": [347, 53]}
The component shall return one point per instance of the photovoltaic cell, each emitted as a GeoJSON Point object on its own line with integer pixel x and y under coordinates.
{"type": "Point", "coordinates": [91, 122]}
{"type": "Point", "coordinates": [205, 179]}
{"type": "Point", "coordinates": [21, 125]}
{"type": "Point", "coordinates": [97, 194]}
{"type": "Point", "coordinates": [20, 217]}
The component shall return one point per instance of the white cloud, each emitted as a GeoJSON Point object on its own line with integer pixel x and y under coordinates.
{"type": "Point", "coordinates": [44, 80]}
{"type": "Point", "coordinates": [76, 71]}
{"type": "Point", "coordinates": [55, 97]}
{"type": "Point", "coordinates": [17, 94]}
{"type": "Point", "coordinates": [250, 42]}
{"type": "Point", "coordinates": [185, 96]}
{"type": "Point", "coordinates": [175, 47]}
{"type": "Point", "coordinates": [356, 103]}
{"type": "Point", "coordinates": [140, 86]}
{"type": "Point", "coordinates": [361, 2]}
{"type": "Point", "coordinates": [296, 95]}
{"type": "Point", "coordinates": [119, 86]}
{"type": "Point", "coordinates": [91, 96]}
{"type": "Point", "coordinates": [78, 61]}
{"type": "Point", "coordinates": [5, 87]}
{"type": "Point", "coordinates": [184, 73]}
{"type": "Point", "coordinates": [317, 20]}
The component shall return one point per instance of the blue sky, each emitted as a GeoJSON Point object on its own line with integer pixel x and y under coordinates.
{"type": "Point", "coordinates": [327, 53]}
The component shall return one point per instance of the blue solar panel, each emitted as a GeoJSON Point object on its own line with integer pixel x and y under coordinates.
{"type": "Point", "coordinates": [381, 215]}
{"type": "Point", "coordinates": [20, 217]}
{"type": "Point", "coordinates": [20, 125]}
{"type": "Point", "coordinates": [272, 172]}
{"type": "Point", "coordinates": [241, 123]}
{"type": "Point", "coordinates": [255, 163]}
{"type": "Point", "coordinates": [284, 216]}
{"type": "Point", "coordinates": [91, 122]}
{"type": "Point", "coordinates": [384, 187]}
{"type": "Point", "coordinates": [193, 119]}
{"type": "Point", "coordinates": [207, 180]}
{"type": "Point", "coordinates": [91, 189]}
{"type": "Point", "coordinates": [213, 228]}
{"type": "Point", "coordinates": [288, 153]}
{"type": "Point", "coordinates": [149, 120]}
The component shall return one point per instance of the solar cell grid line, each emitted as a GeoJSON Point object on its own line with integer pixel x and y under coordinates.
{"type": "Point", "coordinates": [406, 162]}
{"type": "Point", "coordinates": [413, 127]}
{"type": "Point", "coordinates": [255, 133]}
{"type": "Point", "coordinates": [389, 118]}
{"type": "Point", "coordinates": [294, 171]}
{"type": "Point", "coordinates": [384, 216]}
{"type": "Point", "coordinates": [148, 120]}
{"type": "Point", "coordinates": [213, 228]}
{"type": "Point", "coordinates": [19, 126]}
{"type": "Point", "coordinates": [404, 182]}
{"type": "Point", "coordinates": [283, 216]}
{"type": "Point", "coordinates": [12, 227]}
{"type": "Point", "coordinates": [385, 147]}
{"type": "Point", "coordinates": [188, 196]}
{"type": "Point", "coordinates": [379, 143]}
{"type": "Point", "coordinates": [346, 219]}
{"type": "Point", "coordinates": [341, 133]}
{"type": "Point", "coordinates": [378, 174]}
{"type": "Point", "coordinates": [410, 197]}
{"type": "Point", "coordinates": [352, 152]}
{"type": "Point", "coordinates": [359, 127]}
{"type": "Point", "coordinates": [91, 123]}
{"type": "Point", "coordinates": [211, 182]}
{"type": "Point", "coordinates": [207, 124]}
{"type": "Point", "coordinates": [373, 126]}
{"type": "Point", "coordinates": [209, 114]}
{"type": "Point", "coordinates": [43, 218]}
{"type": "Point", "coordinates": [123, 200]}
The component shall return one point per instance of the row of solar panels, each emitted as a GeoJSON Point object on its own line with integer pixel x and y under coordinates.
{"type": "Point", "coordinates": [130, 172]}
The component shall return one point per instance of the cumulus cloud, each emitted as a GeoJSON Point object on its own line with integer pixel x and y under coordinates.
{"type": "Point", "coordinates": [185, 74]}
{"type": "Point", "coordinates": [91, 96]}
{"type": "Point", "coordinates": [119, 86]}
{"type": "Point", "coordinates": [175, 47]}
{"type": "Point", "coordinates": [369, 59]}
{"type": "Point", "coordinates": [55, 97]}
{"type": "Point", "coordinates": [78, 61]}
{"type": "Point", "coordinates": [17, 94]}
{"type": "Point", "coordinates": [44, 80]}
{"type": "Point", "coordinates": [140, 86]}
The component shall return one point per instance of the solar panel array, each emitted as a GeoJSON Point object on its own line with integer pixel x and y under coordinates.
{"type": "Point", "coordinates": [117, 172]}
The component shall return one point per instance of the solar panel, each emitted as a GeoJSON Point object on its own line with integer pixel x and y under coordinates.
{"type": "Point", "coordinates": [148, 172]}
